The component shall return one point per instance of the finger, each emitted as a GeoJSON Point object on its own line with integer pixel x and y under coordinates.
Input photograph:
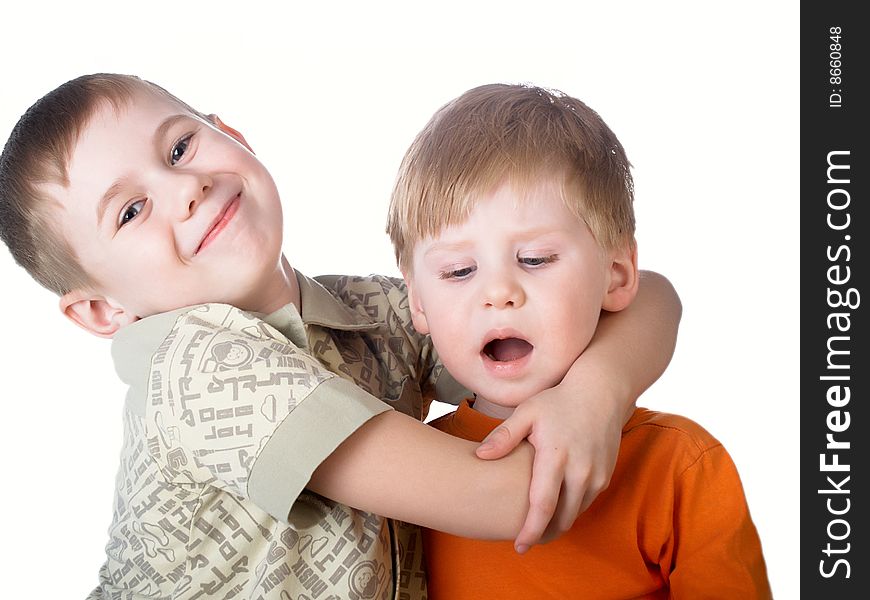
{"type": "Point", "coordinates": [595, 486]}
{"type": "Point", "coordinates": [505, 437]}
{"type": "Point", "coordinates": [573, 495]}
{"type": "Point", "coordinates": [546, 484]}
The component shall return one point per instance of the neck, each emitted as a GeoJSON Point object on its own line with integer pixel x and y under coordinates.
{"type": "Point", "coordinates": [282, 289]}
{"type": "Point", "coordinates": [491, 409]}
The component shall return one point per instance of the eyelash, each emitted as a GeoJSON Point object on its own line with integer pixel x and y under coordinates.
{"type": "Point", "coordinates": [537, 261]}
{"type": "Point", "coordinates": [457, 273]}
{"type": "Point", "coordinates": [123, 221]}
{"type": "Point", "coordinates": [182, 144]}
{"type": "Point", "coordinates": [527, 261]}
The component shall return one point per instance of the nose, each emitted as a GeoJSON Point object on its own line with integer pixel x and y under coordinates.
{"type": "Point", "coordinates": [502, 290]}
{"type": "Point", "coordinates": [186, 191]}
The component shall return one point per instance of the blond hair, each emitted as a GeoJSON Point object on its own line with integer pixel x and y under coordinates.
{"type": "Point", "coordinates": [519, 134]}
{"type": "Point", "coordinates": [38, 151]}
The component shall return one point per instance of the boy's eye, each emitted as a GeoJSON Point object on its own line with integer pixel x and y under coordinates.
{"type": "Point", "coordinates": [131, 212]}
{"type": "Point", "coordinates": [457, 273]}
{"type": "Point", "coordinates": [179, 149]}
{"type": "Point", "coordinates": [537, 261]}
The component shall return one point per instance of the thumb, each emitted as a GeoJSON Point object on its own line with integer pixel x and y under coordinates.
{"type": "Point", "coordinates": [504, 438]}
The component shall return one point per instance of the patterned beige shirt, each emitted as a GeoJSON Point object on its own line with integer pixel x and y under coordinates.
{"type": "Point", "coordinates": [227, 416]}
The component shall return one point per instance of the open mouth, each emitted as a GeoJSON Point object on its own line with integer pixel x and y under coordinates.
{"type": "Point", "coordinates": [507, 349]}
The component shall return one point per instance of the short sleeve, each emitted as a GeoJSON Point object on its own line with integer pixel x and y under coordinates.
{"type": "Point", "coordinates": [233, 403]}
{"type": "Point", "coordinates": [717, 550]}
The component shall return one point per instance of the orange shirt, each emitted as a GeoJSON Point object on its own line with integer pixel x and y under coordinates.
{"type": "Point", "coordinates": [672, 524]}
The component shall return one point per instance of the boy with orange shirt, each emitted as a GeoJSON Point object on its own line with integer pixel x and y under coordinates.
{"type": "Point", "coordinates": [513, 225]}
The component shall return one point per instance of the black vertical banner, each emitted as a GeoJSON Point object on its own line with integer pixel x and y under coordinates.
{"type": "Point", "coordinates": [835, 300]}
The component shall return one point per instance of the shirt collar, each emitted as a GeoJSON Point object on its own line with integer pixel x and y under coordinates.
{"type": "Point", "coordinates": [473, 424]}
{"type": "Point", "coordinates": [322, 307]}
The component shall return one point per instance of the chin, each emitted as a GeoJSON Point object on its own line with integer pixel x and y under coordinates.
{"type": "Point", "coordinates": [513, 396]}
{"type": "Point", "coordinates": [507, 399]}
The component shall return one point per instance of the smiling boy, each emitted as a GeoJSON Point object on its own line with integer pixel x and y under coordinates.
{"type": "Point", "coordinates": [158, 227]}
{"type": "Point", "coordinates": [214, 240]}
{"type": "Point", "coordinates": [513, 225]}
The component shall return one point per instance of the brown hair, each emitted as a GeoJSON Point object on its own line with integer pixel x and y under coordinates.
{"type": "Point", "coordinates": [511, 133]}
{"type": "Point", "coordinates": [37, 152]}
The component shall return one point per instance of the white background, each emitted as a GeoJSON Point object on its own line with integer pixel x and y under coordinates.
{"type": "Point", "coordinates": [704, 99]}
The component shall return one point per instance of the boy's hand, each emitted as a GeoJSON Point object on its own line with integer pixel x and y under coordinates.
{"type": "Point", "coordinates": [576, 441]}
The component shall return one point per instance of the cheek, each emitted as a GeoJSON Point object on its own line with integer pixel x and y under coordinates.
{"type": "Point", "coordinates": [573, 316]}
{"type": "Point", "coordinates": [575, 328]}
{"type": "Point", "coordinates": [444, 327]}
{"type": "Point", "coordinates": [450, 334]}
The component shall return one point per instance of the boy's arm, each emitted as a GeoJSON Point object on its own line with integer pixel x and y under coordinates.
{"type": "Point", "coordinates": [400, 468]}
{"type": "Point", "coordinates": [576, 426]}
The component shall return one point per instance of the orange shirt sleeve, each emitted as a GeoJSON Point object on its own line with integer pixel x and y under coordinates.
{"type": "Point", "coordinates": [716, 547]}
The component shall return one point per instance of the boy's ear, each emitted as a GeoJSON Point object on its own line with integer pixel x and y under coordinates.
{"type": "Point", "coordinates": [230, 131]}
{"type": "Point", "coordinates": [100, 315]}
{"type": "Point", "coordinates": [623, 279]}
{"type": "Point", "coordinates": [418, 315]}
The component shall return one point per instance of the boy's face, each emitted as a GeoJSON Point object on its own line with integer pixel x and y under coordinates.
{"type": "Point", "coordinates": [512, 296]}
{"type": "Point", "coordinates": [165, 210]}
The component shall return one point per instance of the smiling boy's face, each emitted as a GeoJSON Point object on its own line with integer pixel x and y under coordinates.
{"type": "Point", "coordinates": [512, 296]}
{"type": "Point", "coordinates": [166, 210]}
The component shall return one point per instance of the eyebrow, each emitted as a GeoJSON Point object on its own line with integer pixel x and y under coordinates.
{"type": "Point", "coordinates": [166, 125]}
{"type": "Point", "coordinates": [447, 247]}
{"type": "Point", "coordinates": [526, 235]}
{"type": "Point", "coordinates": [107, 199]}
{"type": "Point", "coordinates": [115, 188]}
